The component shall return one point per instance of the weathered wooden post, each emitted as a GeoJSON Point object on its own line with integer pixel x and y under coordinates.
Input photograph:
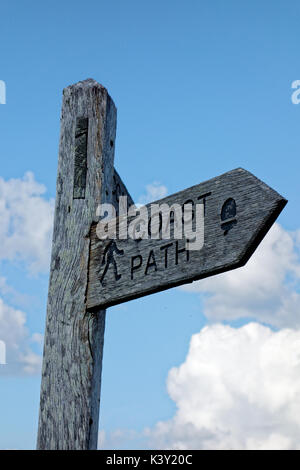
{"type": "Point", "coordinates": [71, 375]}
{"type": "Point", "coordinates": [235, 211]}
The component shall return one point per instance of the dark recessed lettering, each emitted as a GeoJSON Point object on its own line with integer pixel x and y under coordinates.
{"type": "Point", "coordinates": [136, 266]}
{"type": "Point", "coordinates": [181, 250]}
{"type": "Point", "coordinates": [204, 196]}
{"type": "Point", "coordinates": [228, 214]}
{"type": "Point", "coordinates": [151, 262]}
{"type": "Point", "coordinates": [159, 214]}
{"type": "Point", "coordinates": [165, 247]}
{"type": "Point", "coordinates": [189, 202]}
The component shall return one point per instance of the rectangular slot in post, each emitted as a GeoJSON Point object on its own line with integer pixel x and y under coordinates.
{"type": "Point", "coordinates": [80, 160]}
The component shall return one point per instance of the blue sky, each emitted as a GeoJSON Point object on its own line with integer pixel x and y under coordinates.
{"type": "Point", "coordinates": [201, 88]}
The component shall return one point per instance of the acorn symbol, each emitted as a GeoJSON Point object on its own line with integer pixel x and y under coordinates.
{"type": "Point", "coordinates": [228, 215]}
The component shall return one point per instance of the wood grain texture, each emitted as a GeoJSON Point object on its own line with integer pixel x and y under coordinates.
{"type": "Point", "coordinates": [119, 189]}
{"type": "Point", "coordinates": [239, 210]}
{"type": "Point", "coordinates": [71, 374]}
{"type": "Point", "coordinates": [80, 160]}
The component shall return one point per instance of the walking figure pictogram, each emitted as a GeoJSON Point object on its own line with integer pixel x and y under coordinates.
{"type": "Point", "coordinates": [108, 258]}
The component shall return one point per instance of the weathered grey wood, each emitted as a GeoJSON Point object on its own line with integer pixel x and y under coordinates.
{"type": "Point", "coordinates": [71, 375]}
{"type": "Point", "coordinates": [232, 231]}
{"type": "Point", "coordinates": [119, 189]}
{"type": "Point", "coordinates": [80, 160]}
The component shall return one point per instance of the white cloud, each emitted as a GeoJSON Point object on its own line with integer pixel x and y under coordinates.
{"type": "Point", "coordinates": [154, 192]}
{"type": "Point", "coordinates": [121, 439]}
{"type": "Point", "coordinates": [16, 298]}
{"type": "Point", "coordinates": [26, 222]}
{"type": "Point", "coordinates": [37, 338]}
{"type": "Point", "coordinates": [20, 358]}
{"type": "Point", "coordinates": [239, 388]}
{"type": "Point", "coordinates": [265, 289]}
{"type": "Point", "coordinates": [25, 236]}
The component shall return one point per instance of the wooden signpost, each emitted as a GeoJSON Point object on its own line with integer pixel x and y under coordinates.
{"type": "Point", "coordinates": [71, 373]}
{"type": "Point", "coordinates": [228, 215]}
{"type": "Point", "coordinates": [238, 210]}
